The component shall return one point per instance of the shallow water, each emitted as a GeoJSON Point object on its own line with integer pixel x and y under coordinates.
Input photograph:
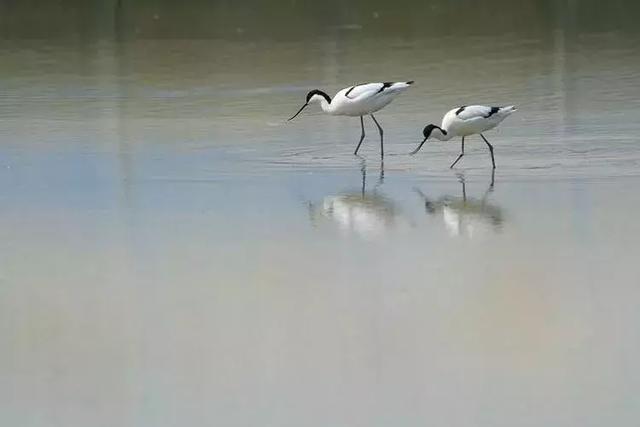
{"type": "Point", "coordinates": [175, 253]}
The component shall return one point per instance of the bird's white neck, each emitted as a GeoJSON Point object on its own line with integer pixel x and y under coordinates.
{"type": "Point", "coordinates": [323, 99]}
{"type": "Point", "coordinates": [326, 106]}
{"type": "Point", "coordinates": [438, 134]}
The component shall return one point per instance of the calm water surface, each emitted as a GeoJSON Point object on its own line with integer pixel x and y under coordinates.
{"type": "Point", "coordinates": [175, 253]}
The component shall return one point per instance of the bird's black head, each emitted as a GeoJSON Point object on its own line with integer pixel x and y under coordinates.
{"type": "Point", "coordinates": [314, 96]}
{"type": "Point", "coordinates": [318, 92]}
{"type": "Point", "coordinates": [429, 128]}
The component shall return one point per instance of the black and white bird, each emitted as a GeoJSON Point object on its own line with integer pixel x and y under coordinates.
{"type": "Point", "coordinates": [358, 101]}
{"type": "Point", "coordinates": [465, 121]}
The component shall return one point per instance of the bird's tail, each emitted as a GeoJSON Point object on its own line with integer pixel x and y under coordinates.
{"type": "Point", "coordinates": [400, 85]}
{"type": "Point", "coordinates": [397, 87]}
{"type": "Point", "coordinates": [510, 109]}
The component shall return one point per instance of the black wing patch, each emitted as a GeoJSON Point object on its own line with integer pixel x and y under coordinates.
{"type": "Point", "coordinates": [384, 86]}
{"type": "Point", "coordinates": [460, 110]}
{"type": "Point", "coordinates": [349, 91]}
{"type": "Point", "coordinates": [493, 111]}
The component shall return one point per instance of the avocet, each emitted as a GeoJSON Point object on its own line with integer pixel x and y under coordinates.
{"type": "Point", "coordinates": [358, 101]}
{"type": "Point", "coordinates": [465, 121]}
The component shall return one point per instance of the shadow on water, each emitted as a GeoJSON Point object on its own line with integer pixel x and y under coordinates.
{"type": "Point", "coordinates": [365, 212]}
{"type": "Point", "coordinates": [465, 216]}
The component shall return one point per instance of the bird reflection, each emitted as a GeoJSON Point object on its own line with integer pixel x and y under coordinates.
{"type": "Point", "coordinates": [365, 212]}
{"type": "Point", "coordinates": [465, 216]}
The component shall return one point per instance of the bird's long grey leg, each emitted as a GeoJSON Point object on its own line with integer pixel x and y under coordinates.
{"type": "Point", "coordinates": [381, 136]}
{"type": "Point", "coordinates": [493, 180]}
{"type": "Point", "coordinates": [493, 161]}
{"type": "Point", "coordinates": [460, 156]}
{"type": "Point", "coordinates": [355, 153]}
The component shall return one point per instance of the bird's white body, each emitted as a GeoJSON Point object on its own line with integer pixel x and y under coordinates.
{"type": "Point", "coordinates": [465, 121]}
{"type": "Point", "coordinates": [360, 100]}
{"type": "Point", "coordinates": [472, 120]}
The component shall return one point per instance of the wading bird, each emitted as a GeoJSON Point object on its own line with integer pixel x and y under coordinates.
{"type": "Point", "coordinates": [466, 121]}
{"type": "Point", "coordinates": [358, 101]}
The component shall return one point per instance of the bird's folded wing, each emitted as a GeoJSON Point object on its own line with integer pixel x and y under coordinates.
{"type": "Point", "coordinates": [474, 112]}
{"type": "Point", "coordinates": [364, 91]}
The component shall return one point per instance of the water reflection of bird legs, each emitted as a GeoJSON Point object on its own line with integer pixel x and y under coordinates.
{"type": "Point", "coordinates": [363, 171]}
{"type": "Point", "coordinates": [365, 212]}
{"type": "Point", "coordinates": [465, 215]}
{"type": "Point", "coordinates": [491, 185]}
{"type": "Point", "coordinates": [461, 180]}
{"type": "Point", "coordinates": [312, 208]}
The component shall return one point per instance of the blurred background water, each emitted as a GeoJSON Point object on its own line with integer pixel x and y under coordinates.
{"type": "Point", "coordinates": [175, 253]}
